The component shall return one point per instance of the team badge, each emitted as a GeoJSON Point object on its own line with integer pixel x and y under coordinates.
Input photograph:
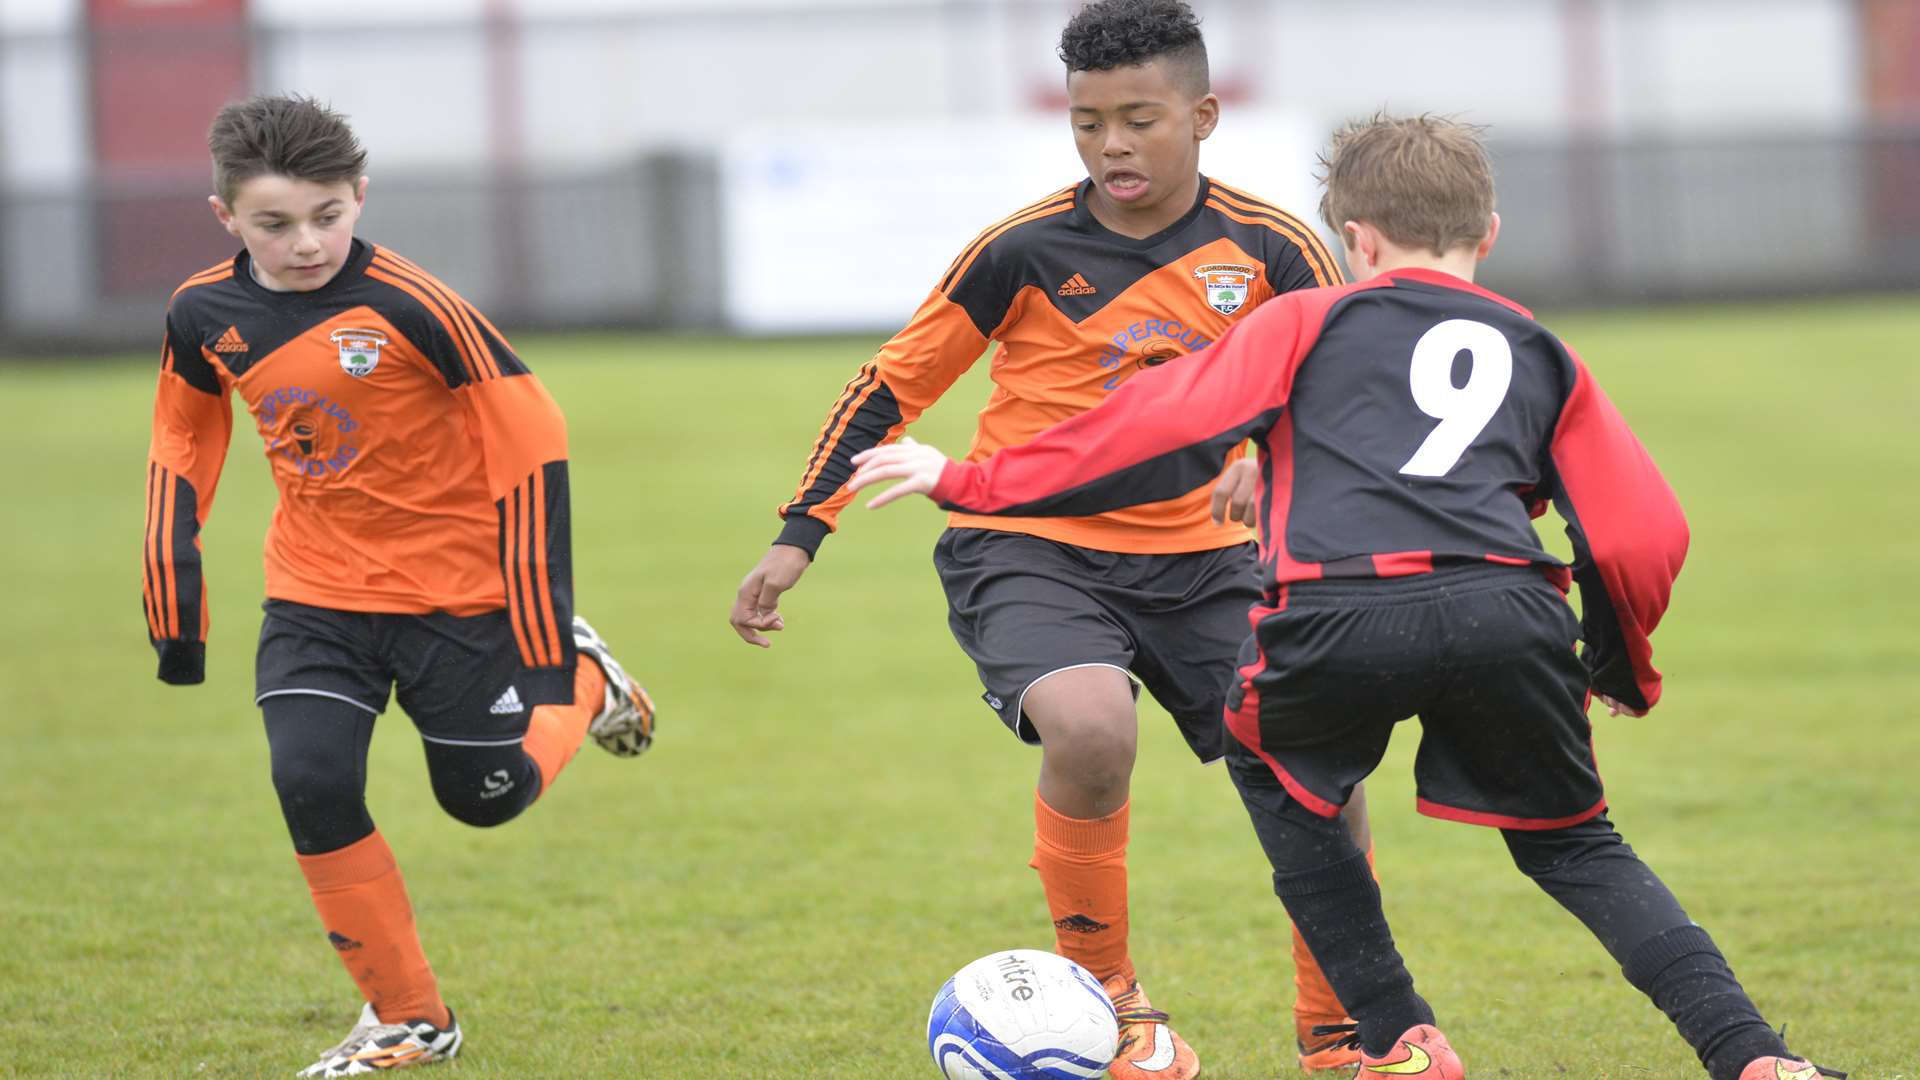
{"type": "Point", "coordinates": [1225, 285]}
{"type": "Point", "coordinates": [359, 350]}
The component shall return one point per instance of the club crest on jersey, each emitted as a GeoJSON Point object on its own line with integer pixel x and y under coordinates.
{"type": "Point", "coordinates": [359, 350]}
{"type": "Point", "coordinates": [1225, 285]}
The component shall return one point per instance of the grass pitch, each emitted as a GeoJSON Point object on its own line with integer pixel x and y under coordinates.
{"type": "Point", "coordinates": [824, 832]}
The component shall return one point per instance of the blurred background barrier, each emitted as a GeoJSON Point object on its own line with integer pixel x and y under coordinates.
{"type": "Point", "coordinates": [776, 166]}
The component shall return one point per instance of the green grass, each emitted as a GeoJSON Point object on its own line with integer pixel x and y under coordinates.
{"type": "Point", "coordinates": [827, 830]}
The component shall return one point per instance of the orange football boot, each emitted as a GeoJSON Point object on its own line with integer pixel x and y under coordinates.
{"type": "Point", "coordinates": [1322, 1050]}
{"type": "Point", "coordinates": [1781, 1068]}
{"type": "Point", "coordinates": [1149, 1050]}
{"type": "Point", "coordinates": [1420, 1053]}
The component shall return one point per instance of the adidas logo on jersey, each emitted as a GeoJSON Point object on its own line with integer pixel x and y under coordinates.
{"type": "Point", "coordinates": [509, 703]}
{"type": "Point", "coordinates": [231, 342]}
{"type": "Point", "coordinates": [1076, 286]}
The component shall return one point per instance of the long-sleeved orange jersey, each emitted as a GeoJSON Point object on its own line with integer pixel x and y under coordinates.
{"type": "Point", "coordinates": [421, 467]}
{"type": "Point", "coordinates": [1076, 309]}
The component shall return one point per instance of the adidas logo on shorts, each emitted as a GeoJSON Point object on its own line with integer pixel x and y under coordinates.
{"type": "Point", "coordinates": [509, 703]}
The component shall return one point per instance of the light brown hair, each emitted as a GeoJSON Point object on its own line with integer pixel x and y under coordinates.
{"type": "Point", "coordinates": [285, 135]}
{"type": "Point", "coordinates": [1424, 181]}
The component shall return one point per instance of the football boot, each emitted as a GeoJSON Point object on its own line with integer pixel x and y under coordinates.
{"type": "Point", "coordinates": [624, 725]}
{"type": "Point", "coordinates": [372, 1046]}
{"type": "Point", "coordinates": [1148, 1048]}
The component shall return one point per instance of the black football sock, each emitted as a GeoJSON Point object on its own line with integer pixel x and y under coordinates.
{"type": "Point", "coordinates": [1685, 975]}
{"type": "Point", "coordinates": [1592, 872]}
{"type": "Point", "coordinates": [1597, 877]}
{"type": "Point", "coordinates": [1336, 908]}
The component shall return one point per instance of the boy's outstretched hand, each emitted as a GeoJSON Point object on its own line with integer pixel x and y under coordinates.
{"type": "Point", "coordinates": [916, 466]}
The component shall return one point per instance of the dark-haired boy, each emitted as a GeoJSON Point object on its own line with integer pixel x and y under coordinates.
{"type": "Point", "coordinates": [421, 539]}
{"type": "Point", "coordinates": [1409, 428]}
{"type": "Point", "coordinates": [1141, 263]}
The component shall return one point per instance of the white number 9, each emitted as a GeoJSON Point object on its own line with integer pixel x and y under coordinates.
{"type": "Point", "coordinates": [1463, 411]}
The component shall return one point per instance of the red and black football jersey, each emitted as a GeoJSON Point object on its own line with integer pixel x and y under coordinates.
{"type": "Point", "coordinates": [420, 466]}
{"type": "Point", "coordinates": [1077, 310]}
{"type": "Point", "coordinates": [1406, 422]}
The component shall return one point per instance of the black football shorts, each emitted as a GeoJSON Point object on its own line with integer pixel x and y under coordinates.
{"type": "Point", "coordinates": [1483, 655]}
{"type": "Point", "coordinates": [1023, 607]}
{"type": "Point", "coordinates": [458, 676]}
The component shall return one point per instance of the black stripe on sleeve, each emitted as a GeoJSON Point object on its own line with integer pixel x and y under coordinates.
{"type": "Point", "coordinates": [149, 565]}
{"type": "Point", "coordinates": [869, 425]}
{"type": "Point", "coordinates": [181, 355]}
{"type": "Point", "coordinates": [512, 563]}
{"type": "Point", "coordinates": [187, 578]}
{"type": "Point", "coordinates": [826, 443]}
{"type": "Point", "coordinates": [559, 584]}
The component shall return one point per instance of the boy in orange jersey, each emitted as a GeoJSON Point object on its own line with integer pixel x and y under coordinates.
{"type": "Point", "coordinates": [1410, 428]}
{"type": "Point", "coordinates": [421, 539]}
{"type": "Point", "coordinates": [1141, 263]}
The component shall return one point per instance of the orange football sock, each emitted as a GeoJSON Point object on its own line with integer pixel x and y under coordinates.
{"type": "Point", "coordinates": [363, 905]}
{"type": "Point", "coordinates": [1083, 868]}
{"type": "Point", "coordinates": [554, 732]}
{"type": "Point", "coordinates": [1313, 1000]}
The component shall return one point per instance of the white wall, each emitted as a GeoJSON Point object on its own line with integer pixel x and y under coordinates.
{"type": "Point", "coordinates": [1748, 65]}
{"type": "Point", "coordinates": [850, 228]}
{"type": "Point", "coordinates": [599, 79]}
{"type": "Point", "coordinates": [43, 131]}
{"type": "Point", "coordinates": [31, 16]}
{"type": "Point", "coordinates": [959, 100]}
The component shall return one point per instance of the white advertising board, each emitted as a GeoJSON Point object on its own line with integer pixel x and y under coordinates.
{"type": "Point", "coordinates": [848, 228]}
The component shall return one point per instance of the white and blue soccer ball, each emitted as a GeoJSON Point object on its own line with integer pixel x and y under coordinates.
{"type": "Point", "coordinates": [1022, 1014]}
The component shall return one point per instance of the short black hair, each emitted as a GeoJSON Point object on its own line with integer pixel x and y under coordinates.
{"type": "Point", "coordinates": [288, 135]}
{"type": "Point", "coordinates": [1108, 34]}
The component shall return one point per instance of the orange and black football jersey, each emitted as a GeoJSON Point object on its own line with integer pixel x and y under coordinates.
{"type": "Point", "coordinates": [1076, 309]}
{"type": "Point", "coordinates": [420, 466]}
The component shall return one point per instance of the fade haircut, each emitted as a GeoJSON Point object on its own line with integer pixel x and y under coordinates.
{"type": "Point", "coordinates": [1108, 34]}
{"type": "Point", "coordinates": [1424, 181]}
{"type": "Point", "coordinates": [283, 135]}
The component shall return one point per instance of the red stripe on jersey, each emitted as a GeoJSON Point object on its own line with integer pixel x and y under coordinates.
{"type": "Point", "coordinates": [1279, 467]}
{"type": "Point", "coordinates": [1403, 563]}
{"type": "Point", "coordinates": [1625, 519]}
{"type": "Point", "coordinates": [1508, 560]}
